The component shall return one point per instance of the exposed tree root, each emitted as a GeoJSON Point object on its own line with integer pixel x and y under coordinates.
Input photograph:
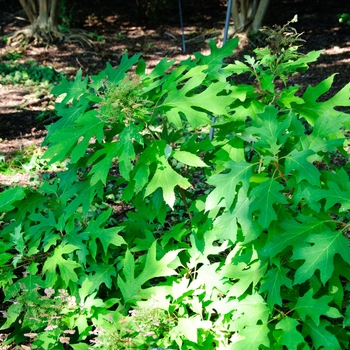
{"type": "Point", "coordinates": [35, 36]}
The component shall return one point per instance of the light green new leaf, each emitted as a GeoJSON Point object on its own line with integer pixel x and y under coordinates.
{"type": "Point", "coordinates": [80, 346]}
{"type": "Point", "coordinates": [319, 255]}
{"type": "Point", "coordinates": [321, 337]}
{"type": "Point", "coordinates": [166, 178]}
{"type": "Point", "coordinates": [209, 278]}
{"type": "Point", "coordinates": [334, 195]}
{"type": "Point", "coordinates": [7, 198]}
{"type": "Point", "coordinates": [266, 195]}
{"type": "Point", "coordinates": [66, 266]}
{"type": "Point", "coordinates": [254, 336]}
{"type": "Point", "coordinates": [290, 336]}
{"type": "Point", "coordinates": [275, 278]}
{"type": "Point", "coordinates": [240, 172]}
{"type": "Point", "coordinates": [189, 159]}
{"type": "Point", "coordinates": [131, 287]}
{"type": "Point", "coordinates": [188, 327]}
{"type": "Point", "coordinates": [297, 161]}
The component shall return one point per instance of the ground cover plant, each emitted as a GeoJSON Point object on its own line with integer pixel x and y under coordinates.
{"type": "Point", "coordinates": [236, 241]}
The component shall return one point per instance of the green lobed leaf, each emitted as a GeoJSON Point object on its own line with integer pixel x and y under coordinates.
{"type": "Point", "coordinates": [321, 337]}
{"type": "Point", "coordinates": [274, 279]}
{"type": "Point", "coordinates": [254, 337]}
{"type": "Point", "coordinates": [244, 276]}
{"type": "Point", "coordinates": [102, 273]}
{"type": "Point", "coordinates": [74, 141]}
{"type": "Point", "coordinates": [131, 286]}
{"type": "Point", "coordinates": [265, 196]}
{"type": "Point", "coordinates": [189, 159]}
{"type": "Point", "coordinates": [191, 101]}
{"type": "Point", "coordinates": [298, 161]}
{"type": "Point", "coordinates": [290, 336]}
{"type": "Point", "coordinates": [295, 232]}
{"type": "Point", "coordinates": [107, 236]}
{"type": "Point", "coordinates": [313, 108]}
{"type": "Point", "coordinates": [66, 266]}
{"type": "Point", "coordinates": [114, 75]}
{"type": "Point", "coordinates": [125, 147]}
{"type": "Point", "coordinates": [319, 255]}
{"type": "Point", "coordinates": [307, 306]}
{"type": "Point", "coordinates": [72, 90]}
{"type": "Point", "coordinates": [166, 178]}
{"type": "Point", "coordinates": [334, 195]}
{"type": "Point", "coordinates": [270, 131]}
{"type": "Point", "coordinates": [240, 172]}
{"type": "Point", "coordinates": [8, 197]}
{"type": "Point", "coordinates": [226, 224]}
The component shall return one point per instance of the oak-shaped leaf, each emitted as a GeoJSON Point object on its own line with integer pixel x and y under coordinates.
{"type": "Point", "coordinates": [287, 333]}
{"type": "Point", "coordinates": [334, 195]}
{"type": "Point", "coordinates": [107, 236]}
{"type": "Point", "coordinates": [295, 232]}
{"type": "Point", "coordinates": [166, 178]}
{"type": "Point", "coordinates": [65, 266]}
{"type": "Point", "coordinates": [274, 279]}
{"type": "Point", "coordinates": [114, 75]}
{"type": "Point", "coordinates": [9, 197]}
{"type": "Point", "coordinates": [307, 306]}
{"type": "Point", "coordinates": [225, 184]}
{"type": "Point", "coordinates": [195, 103]}
{"type": "Point", "coordinates": [269, 130]}
{"type": "Point", "coordinates": [321, 337]}
{"type": "Point", "coordinates": [72, 89]}
{"type": "Point", "coordinates": [131, 286]}
{"type": "Point", "coordinates": [102, 273]}
{"type": "Point", "coordinates": [319, 255]}
{"type": "Point", "coordinates": [74, 141]}
{"type": "Point", "coordinates": [297, 161]}
{"type": "Point", "coordinates": [254, 335]}
{"type": "Point", "coordinates": [265, 196]}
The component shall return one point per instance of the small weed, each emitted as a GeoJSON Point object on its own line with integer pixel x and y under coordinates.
{"type": "Point", "coordinates": [28, 74]}
{"type": "Point", "coordinates": [345, 18]}
{"type": "Point", "coordinates": [26, 160]}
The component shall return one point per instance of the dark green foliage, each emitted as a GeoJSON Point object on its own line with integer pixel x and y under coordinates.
{"type": "Point", "coordinates": [235, 243]}
{"type": "Point", "coordinates": [28, 73]}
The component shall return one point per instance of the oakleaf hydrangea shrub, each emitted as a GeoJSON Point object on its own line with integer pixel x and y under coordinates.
{"type": "Point", "coordinates": [233, 242]}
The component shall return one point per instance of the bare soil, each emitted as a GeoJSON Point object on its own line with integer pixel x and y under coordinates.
{"type": "Point", "coordinates": [122, 30]}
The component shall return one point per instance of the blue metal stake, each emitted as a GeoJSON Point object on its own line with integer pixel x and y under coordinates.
{"type": "Point", "coordinates": [227, 23]}
{"type": "Point", "coordinates": [182, 28]}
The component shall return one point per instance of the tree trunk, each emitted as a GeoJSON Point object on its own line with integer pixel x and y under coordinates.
{"type": "Point", "coordinates": [248, 14]}
{"type": "Point", "coordinates": [43, 17]}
